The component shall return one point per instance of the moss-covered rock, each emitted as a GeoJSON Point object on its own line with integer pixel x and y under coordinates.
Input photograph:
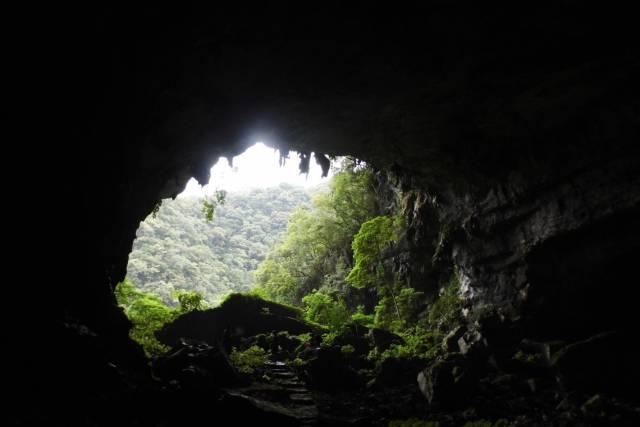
{"type": "Point", "coordinates": [238, 316]}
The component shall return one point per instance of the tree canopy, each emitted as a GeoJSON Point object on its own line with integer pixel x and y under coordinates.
{"type": "Point", "coordinates": [316, 250]}
{"type": "Point", "coordinates": [179, 250]}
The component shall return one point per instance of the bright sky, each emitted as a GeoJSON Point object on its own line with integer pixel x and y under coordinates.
{"type": "Point", "coordinates": [258, 167]}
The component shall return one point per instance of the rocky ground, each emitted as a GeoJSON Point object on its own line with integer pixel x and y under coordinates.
{"type": "Point", "coordinates": [313, 383]}
{"type": "Point", "coordinates": [533, 384]}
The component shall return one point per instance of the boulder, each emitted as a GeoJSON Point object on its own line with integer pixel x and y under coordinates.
{"type": "Point", "coordinates": [238, 316]}
{"type": "Point", "coordinates": [446, 383]}
{"type": "Point", "coordinates": [356, 336]}
{"type": "Point", "coordinates": [473, 343]}
{"type": "Point", "coordinates": [329, 370]}
{"type": "Point", "coordinates": [450, 342]}
{"type": "Point", "coordinates": [606, 362]}
{"type": "Point", "coordinates": [198, 365]}
{"type": "Point", "coordinates": [397, 371]}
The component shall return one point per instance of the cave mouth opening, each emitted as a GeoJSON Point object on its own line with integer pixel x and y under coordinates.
{"type": "Point", "coordinates": [194, 250]}
{"type": "Point", "coordinates": [332, 324]}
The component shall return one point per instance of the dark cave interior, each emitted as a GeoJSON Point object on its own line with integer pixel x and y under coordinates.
{"type": "Point", "coordinates": [521, 124]}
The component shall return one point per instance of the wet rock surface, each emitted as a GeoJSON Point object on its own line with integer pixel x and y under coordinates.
{"type": "Point", "coordinates": [546, 384]}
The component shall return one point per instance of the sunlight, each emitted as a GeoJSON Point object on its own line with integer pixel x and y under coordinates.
{"type": "Point", "coordinates": [258, 167]}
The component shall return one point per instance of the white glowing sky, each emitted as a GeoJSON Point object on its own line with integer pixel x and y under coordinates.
{"type": "Point", "coordinates": [258, 167]}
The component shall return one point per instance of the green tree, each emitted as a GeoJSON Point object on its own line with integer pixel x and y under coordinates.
{"type": "Point", "coordinates": [209, 204]}
{"type": "Point", "coordinates": [323, 309]}
{"type": "Point", "coordinates": [190, 301]}
{"type": "Point", "coordinates": [179, 252]}
{"type": "Point", "coordinates": [368, 245]}
{"type": "Point", "coordinates": [148, 314]}
{"type": "Point", "coordinates": [317, 244]}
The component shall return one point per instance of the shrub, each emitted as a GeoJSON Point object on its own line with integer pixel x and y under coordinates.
{"type": "Point", "coordinates": [419, 343]}
{"type": "Point", "coordinates": [248, 360]}
{"type": "Point", "coordinates": [149, 314]}
{"type": "Point", "coordinates": [323, 309]}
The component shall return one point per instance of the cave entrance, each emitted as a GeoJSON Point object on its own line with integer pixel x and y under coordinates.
{"type": "Point", "coordinates": [207, 243]}
{"type": "Point", "coordinates": [211, 238]}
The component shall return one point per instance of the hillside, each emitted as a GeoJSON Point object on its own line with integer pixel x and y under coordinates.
{"type": "Point", "coordinates": [179, 250]}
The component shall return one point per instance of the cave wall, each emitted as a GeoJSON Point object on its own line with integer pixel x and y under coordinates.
{"type": "Point", "coordinates": [520, 124]}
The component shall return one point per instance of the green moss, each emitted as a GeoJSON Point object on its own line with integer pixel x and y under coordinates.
{"type": "Point", "coordinates": [254, 303]}
{"type": "Point", "coordinates": [304, 338]}
{"type": "Point", "coordinates": [347, 349]}
{"type": "Point", "coordinates": [329, 337]}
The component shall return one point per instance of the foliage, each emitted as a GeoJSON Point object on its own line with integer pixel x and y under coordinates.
{"type": "Point", "coordinates": [209, 205]}
{"type": "Point", "coordinates": [334, 261]}
{"type": "Point", "coordinates": [148, 314]}
{"type": "Point", "coordinates": [321, 308]}
{"type": "Point", "coordinates": [179, 251]}
{"type": "Point", "coordinates": [297, 362]}
{"type": "Point", "coordinates": [330, 337]}
{"type": "Point", "coordinates": [398, 304]}
{"type": "Point", "coordinates": [316, 250]}
{"type": "Point", "coordinates": [347, 349]}
{"type": "Point", "coordinates": [360, 318]}
{"type": "Point", "coordinates": [304, 338]}
{"type": "Point", "coordinates": [423, 340]}
{"type": "Point", "coordinates": [276, 281]}
{"type": "Point", "coordinates": [248, 360]}
{"type": "Point", "coordinates": [190, 301]}
{"type": "Point", "coordinates": [374, 236]}
{"type": "Point", "coordinates": [419, 343]}
{"type": "Point", "coordinates": [398, 307]}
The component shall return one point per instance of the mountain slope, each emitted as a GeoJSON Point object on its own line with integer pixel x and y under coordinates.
{"type": "Point", "coordinates": [179, 251]}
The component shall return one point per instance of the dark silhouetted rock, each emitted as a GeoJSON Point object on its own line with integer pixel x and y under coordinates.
{"type": "Point", "coordinates": [238, 316]}
{"type": "Point", "coordinates": [606, 362]}
{"type": "Point", "coordinates": [473, 343]}
{"type": "Point", "coordinates": [196, 365]}
{"type": "Point", "coordinates": [397, 371]}
{"type": "Point", "coordinates": [450, 341]}
{"type": "Point", "coordinates": [446, 383]}
{"type": "Point", "coordinates": [383, 339]}
{"type": "Point", "coordinates": [356, 336]}
{"type": "Point", "coordinates": [329, 370]}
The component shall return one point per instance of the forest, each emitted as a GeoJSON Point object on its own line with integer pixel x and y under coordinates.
{"type": "Point", "coordinates": [333, 254]}
{"type": "Point", "coordinates": [178, 250]}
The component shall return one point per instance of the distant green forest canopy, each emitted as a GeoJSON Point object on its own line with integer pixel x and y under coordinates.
{"type": "Point", "coordinates": [179, 250]}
